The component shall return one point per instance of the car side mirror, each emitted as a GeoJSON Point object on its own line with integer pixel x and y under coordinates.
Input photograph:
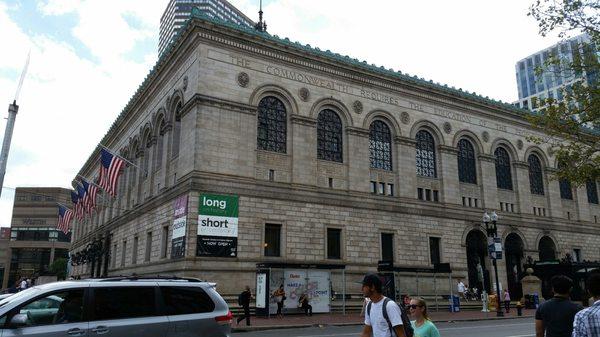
{"type": "Point", "coordinates": [18, 320]}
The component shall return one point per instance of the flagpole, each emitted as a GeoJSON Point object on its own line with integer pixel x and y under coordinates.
{"type": "Point", "coordinates": [123, 159]}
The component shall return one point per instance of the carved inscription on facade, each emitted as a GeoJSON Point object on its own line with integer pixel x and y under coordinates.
{"type": "Point", "coordinates": [363, 92]}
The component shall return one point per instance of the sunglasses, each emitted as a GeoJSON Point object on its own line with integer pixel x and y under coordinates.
{"type": "Point", "coordinates": [414, 306]}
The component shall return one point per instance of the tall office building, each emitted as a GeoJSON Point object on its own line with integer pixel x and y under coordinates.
{"type": "Point", "coordinates": [553, 80]}
{"type": "Point", "coordinates": [178, 11]}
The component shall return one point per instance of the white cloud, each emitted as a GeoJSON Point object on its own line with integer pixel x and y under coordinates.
{"type": "Point", "coordinates": [69, 101]}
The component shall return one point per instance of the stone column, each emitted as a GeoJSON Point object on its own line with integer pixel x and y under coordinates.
{"type": "Point", "coordinates": [51, 256]}
{"type": "Point", "coordinates": [554, 203]}
{"type": "Point", "coordinates": [488, 181]}
{"type": "Point", "coordinates": [304, 149]}
{"type": "Point", "coordinates": [583, 207]}
{"type": "Point", "coordinates": [521, 170]}
{"type": "Point", "coordinates": [358, 159]}
{"type": "Point", "coordinates": [448, 171]}
{"type": "Point", "coordinates": [406, 166]}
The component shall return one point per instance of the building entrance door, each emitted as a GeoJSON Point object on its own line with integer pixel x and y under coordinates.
{"type": "Point", "coordinates": [479, 275]}
{"type": "Point", "coordinates": [514, 265]}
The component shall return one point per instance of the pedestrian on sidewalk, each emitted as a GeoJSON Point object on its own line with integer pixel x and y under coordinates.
{"type": "Point", "coordinates": [383, 316]}
{"type": "Point", "coordinates": [554, 318]}
{"type": "Point", "coordinates": [244, 300]}
{"type": "Point", "coordinates": [506, 299]}
{"type": "Point", "coordinates": [304, 304]}
{"type": "Point", "coordinates": [279, 295]}
{"type": "Point", "coordinates": [363, 310]}
{"type": "Point", "coordinates": [460, 288]}
{"type": "Point", "coordinates": [422, 325]}
{"type": "Point", "coordinates": [587, 321]}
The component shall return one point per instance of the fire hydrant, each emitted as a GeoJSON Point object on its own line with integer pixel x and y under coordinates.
{"type": "Point", "coordinates": [519, 309]}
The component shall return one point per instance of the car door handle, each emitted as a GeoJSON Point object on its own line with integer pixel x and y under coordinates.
{"type": "Point", "coordinates": [75, 332]}
{"type": "Point", "coordinates": [100, 329]}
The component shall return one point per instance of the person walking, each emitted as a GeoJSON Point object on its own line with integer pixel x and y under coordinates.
{"type": "Point", "coordinates": [363, 310]}
{"type": "Point", "coordinates": [383, 317]}
{"type": "Point", "coordinates": [244, 300]}
{"type": "Point", "coordinates": [279, 295]}
{"type": "Point", "coordinates": [587, 321]}
{"type": "Point", "coordinates": [304, 304]}
{"type": "Point", "coordinates": [506, 299]}
{"type": "Point", "coordinates": [460, 288]}
{"type": "Point", "coordinates": [422, 325]}
{"type": "Point", "coordinates": [23, 284]}
{"type": "Point", "coordinates": [554, 318]}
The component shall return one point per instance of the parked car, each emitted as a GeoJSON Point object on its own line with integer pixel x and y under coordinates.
{"type": "Point", "coordinates": [115, 307]}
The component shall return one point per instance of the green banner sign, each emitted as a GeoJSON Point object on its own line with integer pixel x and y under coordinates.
{"type": "Point", "coordinates": [218, 205]}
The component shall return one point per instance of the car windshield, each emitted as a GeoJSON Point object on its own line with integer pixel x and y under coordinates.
{"type": "Point", "coordinates": [25, 293]}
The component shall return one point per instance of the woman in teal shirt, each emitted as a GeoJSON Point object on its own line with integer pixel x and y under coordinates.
{"type": "Point", "coordinates": [422, 325]}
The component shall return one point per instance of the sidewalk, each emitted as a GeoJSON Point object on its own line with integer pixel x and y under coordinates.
{"type": "Point", "coordinates": [301, 321]}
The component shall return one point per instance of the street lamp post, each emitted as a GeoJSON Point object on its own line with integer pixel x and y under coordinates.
{"type": "Point", "coordinates": [492, 232]}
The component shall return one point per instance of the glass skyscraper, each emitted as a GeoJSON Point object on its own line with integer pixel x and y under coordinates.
{"type": "Point", "coordinates": [178, 11]}
{"type": "Point", "coordinates": [553, 80]}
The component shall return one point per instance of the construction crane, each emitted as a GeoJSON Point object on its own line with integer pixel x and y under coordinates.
{"type": "Point", "coordinates": [10, 125]}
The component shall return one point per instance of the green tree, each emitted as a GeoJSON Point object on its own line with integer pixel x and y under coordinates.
{"type": "Point", "coordinates": [59, 267]}
{"type": "Point", "coordinates": [573, 123]}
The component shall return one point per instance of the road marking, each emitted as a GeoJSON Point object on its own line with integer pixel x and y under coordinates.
{"type": "Point", "coordinates": [331, 335]}
{"type": "Point", "coordinates": [441, 329]}
{"type": "Point", "coordinates": [484, 326]}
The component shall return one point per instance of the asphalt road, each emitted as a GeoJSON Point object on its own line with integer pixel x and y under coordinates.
{"type": "Point", "coordinates": [492, 328]}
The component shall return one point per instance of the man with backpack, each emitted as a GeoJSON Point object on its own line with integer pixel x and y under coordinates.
{"type": "Point", "coordinates": [383, 317]}
{"type": "Point", "coordinates": [244, 301]}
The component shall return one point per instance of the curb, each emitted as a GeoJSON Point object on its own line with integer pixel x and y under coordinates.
{"type": "Point", "coordinates": [315, 325]}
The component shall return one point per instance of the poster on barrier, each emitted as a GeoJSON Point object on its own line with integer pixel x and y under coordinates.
{"type": "Point", "coordinates": [318, 290]}
{"type": "Point", "coordinates": [294, 286]}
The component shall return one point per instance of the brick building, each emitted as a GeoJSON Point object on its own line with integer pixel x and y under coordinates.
{"type": "Point", "coordinates": [319, 159]}
{"type": "Point", "coordinates": [34, 240]}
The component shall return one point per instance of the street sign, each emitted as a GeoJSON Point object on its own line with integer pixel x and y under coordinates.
{"type": "Point", "coordinates": [495, 248]}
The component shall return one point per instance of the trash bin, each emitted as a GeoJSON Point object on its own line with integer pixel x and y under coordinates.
{"type": "Point", "coordinates": [454, 303]}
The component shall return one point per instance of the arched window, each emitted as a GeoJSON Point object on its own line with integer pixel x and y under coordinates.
{"type": "Point", "coordinates": [425, 155]}
{"type": "Point", "coordinates": [592, 191]}
{"type": "Point", "coordinates": [329, 136]}
{"type": "Point", "coordinates": [380, 146]}
{"type": "Point", "coordinates": [466, 162]}
{"type": "Point", "coordinates": [566, 190]}
{"type": "Point", "coordinates": [503, 175]}
{"type": "Point", "coordinates": [536, 181]}
{"type": "Point", "coordinates": [176, 131]}
{"type": "Point", "coordinates": [160, 141]}
{"type": "Point", "coordinates": [272, 125]}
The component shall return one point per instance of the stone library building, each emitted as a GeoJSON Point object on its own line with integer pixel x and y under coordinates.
{"type": "Point", "coordinates": [260, 161]}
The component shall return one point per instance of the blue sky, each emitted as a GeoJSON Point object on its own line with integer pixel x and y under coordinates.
{"type": "Point", "coordinates": [89, 56]}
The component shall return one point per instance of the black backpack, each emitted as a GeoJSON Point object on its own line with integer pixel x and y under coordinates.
{"type": "Point", "coordinates": [408, 329]}
{"type": "Point", "coordinates": [241, 298]}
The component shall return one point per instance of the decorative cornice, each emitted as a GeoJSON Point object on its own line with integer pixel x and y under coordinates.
{"type": "Point", "coordinates": [199, 99]}
{"type": "Point", "coordinates": [355, 131]}
{"type": "Point", "coordinates": [447, 149]}
{"type": "Point", "coordinates": [521, 164]}
{"type": "Point", "coordinates": [405, 141]}
{"type": "Point", "coordinates": [550, 170]}
{"type": "Point", "coordinates": [486, 157]}
{"type": "Point", "coordinates": [303, 120]}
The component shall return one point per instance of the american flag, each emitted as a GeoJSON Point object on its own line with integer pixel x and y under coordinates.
{"type": "Point", "coordinates": [65, 216]}
{"type": "Point", "coordinates": [76, 205]}
{"type": "Point", "coordinates": [90, 195]}
{"type": "Point", "coordinates": [81, 203]}
{"type": "Point", "coordinates": [110, 167]}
